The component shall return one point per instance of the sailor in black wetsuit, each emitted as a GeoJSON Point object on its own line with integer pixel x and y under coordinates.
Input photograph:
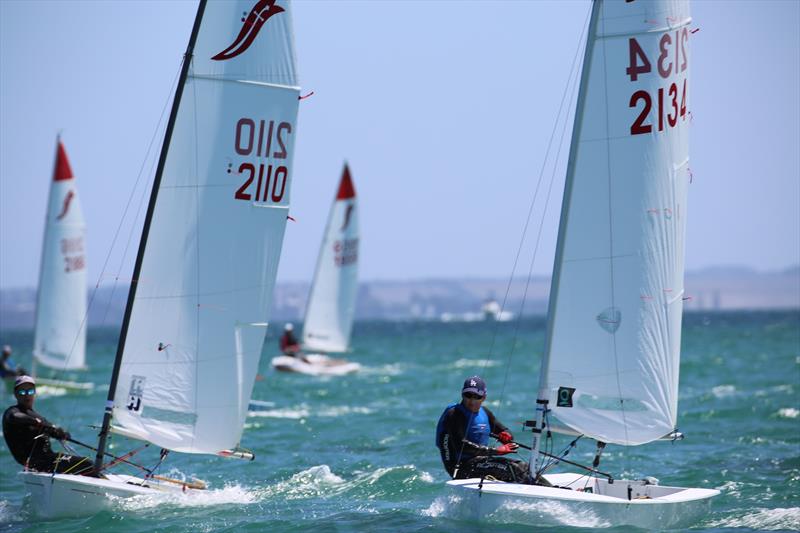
{"type": "Point", "coordinates": [28, 433]}
{"type": "Point", "coordinates": [462, 436]}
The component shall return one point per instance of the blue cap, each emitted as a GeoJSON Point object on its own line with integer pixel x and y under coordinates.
{"type": "Point", "coordinates": [474, 384]}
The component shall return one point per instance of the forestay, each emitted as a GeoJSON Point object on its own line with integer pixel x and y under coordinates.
{"type": "Point", "coordinates": [611, 366]}
{"type": "Point", "coordinates": [60, 338]}
{"type": "Point", "coordinates": [198, 319]}
{"type": "Point", "coordinates": [331, 304]}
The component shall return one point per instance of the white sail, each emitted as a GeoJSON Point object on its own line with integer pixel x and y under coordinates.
{"type": "Point", "coordinates": [198, 319]}
{"type": "Point", "coordinates": [611, 366]}
{"type": "Point", "coordinates": [332, 302]}
{"type": "Point", "coordinates": [60, 338]}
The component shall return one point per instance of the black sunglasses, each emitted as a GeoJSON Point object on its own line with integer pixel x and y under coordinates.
{"type": "Point", "coordinates": [26, 392]}
{"type": "Point", "coordinates": [472, 396]}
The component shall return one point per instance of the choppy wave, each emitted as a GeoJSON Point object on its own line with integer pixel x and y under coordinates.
{"type": "Point", "coordinates": [765, 519]}
{"type": "Point", "coordinates": [788, 412]}
{"type": "Point", "coordinates": [321, 481]}
{"type": "Point", "coordinates": [304, 411]}
{"type": "Point", "coordinates": [231, 494]}
{"type": "Point", "coordinates": [394, 369]}
{"type": "Point", "coordinates": [723, 391]}
{"type": "Point", "coordinates": [473, 363]}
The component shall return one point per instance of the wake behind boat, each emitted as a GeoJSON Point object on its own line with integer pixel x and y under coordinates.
{"type": "Point", "coordinates": [612, 355]}
{"type": "Point", "coordinates": [331, 304]}
{"type": "Point", "coordinates": [196, 314]}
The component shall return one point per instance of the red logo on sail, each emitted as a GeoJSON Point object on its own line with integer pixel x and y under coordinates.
{"type": "Point", "coordinates": [65, 207]}
{"type": "Point", "coordinates": [262, 11]}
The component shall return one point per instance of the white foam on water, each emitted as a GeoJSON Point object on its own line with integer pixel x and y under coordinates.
{"type": "Point", "coordinates": [546, 511]}
{"type": "Point", "coordinates": [473, 363]}
{"type": "Point", "coordinates": [230, 494]}
{"type": "Point", "coordinates": [293, 413]}
{"type": "Point", "coordinates": [731, 488]}
{"type": "Point", "coordinates": [394, 369]}
{"type": "Point", "coordinates": [765, 519]}
{"type": "Point", "coordinates": [304, 411]}
{"type": "Point", "coordinates": [50, 391]}
{"type": "Point", "coordinates": [315, 481]}
{"type": "Point", "coordinates": [450, 506]}
{"type": "Point", "coordinates": [723, 391]}
{"type": "Point", "coordinates": [8, 514]}
{"type": "Point", "coordinates": [788, 412]}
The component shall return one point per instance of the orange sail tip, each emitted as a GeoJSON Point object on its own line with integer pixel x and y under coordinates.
{"type": "Point", "coordinates": [346, 189]}
{"type": "Point", "coordinates": [62, 169]}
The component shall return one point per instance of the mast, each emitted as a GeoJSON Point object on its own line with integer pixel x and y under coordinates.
{"type": "Point", "coordinates": [109, 409]}
{"type": "Point", "coordinates": [542, 399]}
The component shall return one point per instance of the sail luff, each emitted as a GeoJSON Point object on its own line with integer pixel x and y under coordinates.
{"type": "Point", "coordinates": [568, 183]}
{"type": "Point", "coordinates": [109, 408]}
{"type": "Point", "coordinates": [542, 399]}
{"type": "Point", "coordinates": [44, 250]}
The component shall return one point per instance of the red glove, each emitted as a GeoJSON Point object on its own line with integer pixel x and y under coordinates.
{"type": "Point", "coordinates": [511, 447]}
{"type": "Point", "coordinates": [505, 437]}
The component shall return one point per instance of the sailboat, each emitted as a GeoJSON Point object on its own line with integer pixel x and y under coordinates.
{"type": "Point", "coordinates": [60, 334]}
{"type": "Point", "coordinates": [612, 355]}
{"type": "Point", "coordinates": [332, 302]}
{"type": "Point", "coordinates": [197, 310]}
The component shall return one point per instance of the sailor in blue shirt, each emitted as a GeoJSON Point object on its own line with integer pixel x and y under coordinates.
{"type": "Point", "coordinates": [462, 436]}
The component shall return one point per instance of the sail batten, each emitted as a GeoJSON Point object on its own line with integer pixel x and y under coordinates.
{"type": "Point", "coordinates": [611, 369]}
{"type": "Point", "coordinates": [197, 320]}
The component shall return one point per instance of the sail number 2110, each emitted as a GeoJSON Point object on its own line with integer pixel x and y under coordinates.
{"type": "Point", "coordinates": [259, 141]}
{"type": "Point", "coordinates": [670, 102]}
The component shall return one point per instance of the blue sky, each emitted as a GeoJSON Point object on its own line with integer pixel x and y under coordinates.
{"type": "Point", "coordinates": [442, 109]}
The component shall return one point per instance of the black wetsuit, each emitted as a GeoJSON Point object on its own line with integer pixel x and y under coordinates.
{"type": "Point", "coordinates": [27, 435]}
{"type": "Point", "coordinates": [464, 459]}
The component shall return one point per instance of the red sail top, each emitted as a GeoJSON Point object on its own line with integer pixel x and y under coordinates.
{"type": "Point", "coordinates": [62, 170]}
{"type": "Point", "coordinates": [346, 189]}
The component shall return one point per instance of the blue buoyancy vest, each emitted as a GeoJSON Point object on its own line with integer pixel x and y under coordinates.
{"type": "Point", "coordinates": [478, 426]}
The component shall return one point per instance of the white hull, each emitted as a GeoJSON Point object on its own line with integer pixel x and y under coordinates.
{"type": "Point", "coordinates": [63, 495]}
{"type": "Point", "coordinates": [592, 502]}
{"type": "Point", "coordinates": [315, 365]}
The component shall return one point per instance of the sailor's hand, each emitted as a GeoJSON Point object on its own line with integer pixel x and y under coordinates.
{"type": "Point", "coordinates": [510, 447]}
{"type": "Point", "coordinates": [505, 437]}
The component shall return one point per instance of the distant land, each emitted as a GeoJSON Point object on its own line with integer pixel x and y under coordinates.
{"type": "Point", "coordinates": [718, 288]}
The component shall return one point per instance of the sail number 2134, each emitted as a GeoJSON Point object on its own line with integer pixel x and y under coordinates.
{"type": "Point", "coordinates": [669, 103]}
{"type": "Point", "coordinates": [264, 143]}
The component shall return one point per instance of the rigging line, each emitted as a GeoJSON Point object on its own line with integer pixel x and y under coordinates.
{"type": "Point", "coordinates": [533, 203]}
{"type": "Point", "coordinates": [130, 198]}
{"type": "Point", "coordinates": [611, 230]}
{"type": "Point", "coordinates": [85, 320]}
{"type": "Point", "coordinates": [575, 84]}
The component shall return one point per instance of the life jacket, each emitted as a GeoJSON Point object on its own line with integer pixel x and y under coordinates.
{"type": "Point", "coordinates": [477, 432]}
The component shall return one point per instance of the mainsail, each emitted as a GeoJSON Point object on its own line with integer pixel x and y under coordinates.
{"type": "Point", "coordinates": [60, 338]}
{"type": "Point", "coordinates": [611, 365]}
{"type": "Point", "coordinates": [199, 304]}
{"type": "Point", "coordinates": [332, 302]}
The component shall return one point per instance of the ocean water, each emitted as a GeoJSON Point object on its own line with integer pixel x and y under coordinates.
{"type": "Point", "coordinates": [356, 453]}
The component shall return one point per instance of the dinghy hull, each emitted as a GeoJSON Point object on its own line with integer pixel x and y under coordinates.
{"type": "Point", "coordinates": [316, 365]}
{"type": "Point", "coordinates": [66, 495]}
{"type": "Point", "coordinates": [590, 502]}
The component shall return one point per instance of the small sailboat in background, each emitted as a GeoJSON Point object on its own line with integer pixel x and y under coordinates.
{"type": "Point", "coordinates": [196, 316]}
{"type": "Point", "coordinates": [612, 355]}
{"type": "Point", "coordinates": [60, 330]}
{"type": "Point", "coordinates": [332, 301]}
